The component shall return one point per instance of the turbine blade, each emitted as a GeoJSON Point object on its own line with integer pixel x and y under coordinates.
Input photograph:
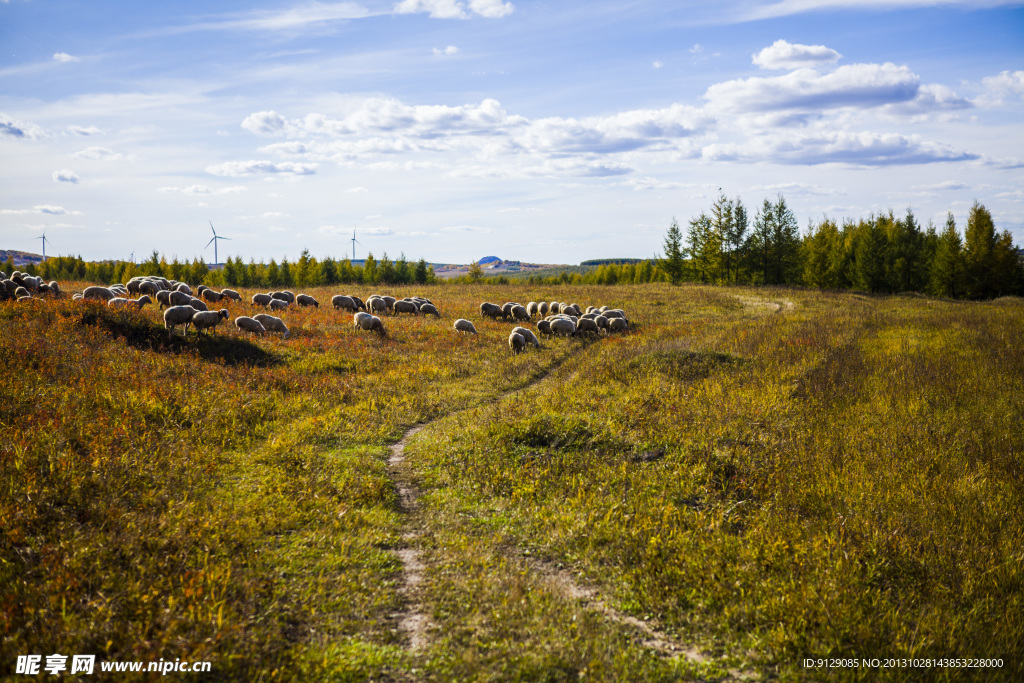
{"type": "Point", "coordinates": [209, 243]}
{"type": "Point", "coordinates": [224, 238]}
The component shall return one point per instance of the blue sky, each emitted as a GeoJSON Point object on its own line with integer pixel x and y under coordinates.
{"type": "Point", "coordinates": [454, 129]}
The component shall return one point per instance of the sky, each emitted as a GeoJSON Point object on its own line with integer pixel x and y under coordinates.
{"type": "Point", "coordinates": [450, 130]}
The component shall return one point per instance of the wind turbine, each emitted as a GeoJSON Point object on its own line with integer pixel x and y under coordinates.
{"type": "Point", "coordinates": [132, 257]}
{"type": "Point", "coordinates": [214, 243]}
{"type": "Point", "coordinates": [43, 238]}
{"type": "Point", "coordinates": [354, 243]}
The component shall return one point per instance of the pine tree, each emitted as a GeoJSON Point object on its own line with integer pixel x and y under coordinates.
{"type": "Point", "coordinates": [869, 256]}
{"type": "Point", "coordinates": [369, 276]}
{"type": "Point", "coordinates": [674, 261]}
{"type": "Point", "coordinates": [421, 272]}
{"type": "Point", "coordinates": [947, 271]}
{"type": "Point", "coordinates": [476, 273]}
{"type": "Point", "coordinates": [386, 270]}
{"type": "Point", "coordinates": [328, 272]}
{"type": "Point", "coordinates": [285, 274]}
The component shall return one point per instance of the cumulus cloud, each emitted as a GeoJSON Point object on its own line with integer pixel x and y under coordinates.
{"type": "Point", "coordinates": [65, 176]}
{"type": "Point", "coordinates": [97, 154]}
{"type": "Point", "coordinates": [85, 131]}
{"type": "Point", "coordinates": [857, 85]}
{"type": "Point", "coordinates": [9, 127]}
{"type": "Point", "coordinates": [64, 57]}
{"type": "Point", "coordinates": [456, 9]}
{"type": "Point", "coordinates": [448, 51]}
{"type": "Point", "coordinates": [249, 168]}
{"type": "Point", "coordinates": [1001, 87]}
{"type": "Point", "coordinates": [784, 55]}
{"type": "Point", "coordinates": [265, 123]}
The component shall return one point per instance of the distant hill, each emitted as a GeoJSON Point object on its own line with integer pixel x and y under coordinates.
{"type": "Point", "coordinates": [609, 261]}
{"type": "Point", "coordinates": [488, 259]}
{"type": "Point", "coordinates": [20, 258]}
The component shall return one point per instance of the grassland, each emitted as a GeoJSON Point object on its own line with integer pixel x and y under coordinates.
{"type": "Point", "coordinates": [759, 475]}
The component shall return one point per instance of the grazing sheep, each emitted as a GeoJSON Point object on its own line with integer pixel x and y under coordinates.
{"type": "Point", "coordinates": [244, 323]}
{"type": "Point", "coordinates": [178, 315]}
{"type": "Point", "coordinates": [344, 302]}
{"type": "Point", "coordinates": [359, 302]}
{"type": "Point", "coordinates": [519, 313]}
{"type": "Point", "coordinates": [562, 327]}
{"type": "Point", "coordinates": [231, 294]}
{"type": "Point", "coordinates": [291, 297]}
{"type": "Point", "coordinates": [463, 325]}
{"type": "Point", "coordinates": [178, 298]}
{"type": "Point", "coordinates": [406, 307]}
{"type": "Point", "coordinates": [306, 300]}
{"type": "Point", "coordinates": [544, 326]}
{"type": "Point", "coordinates": [149, 287]}
{"type": "Point", "coordinates": [532, 308]}
{"type": "Point", "coordinates": [602, 322]}
{"type": "Point", "coordinates": [278, 305]}
{"type": "Point", "coordinates": [429, 309]}
{"type": "Point", "coordinates": [542, 308]}
{"type": "Point", "coordinates": [163, 298]}
{"type": "Point", "coordinates": [506, 309]}
{"type": "Point", "coordinates": [553, 307]}
{"type": "Point", "coordinates": [207, 320]}
{"type": "Point", "coordinates": [617, 325]}
{"type": "Point", "coordinates": [489, 310]}
{"type": "Point", "coordinates": [587, 325]}
{"type": "Point", "coordinates": [118, 302]}
{"type": "Point", "coordinates": [376, 305]}
{"type": "Point", "coordinates": [211, 296]}
{"type": "Point", "coordinates": [198, 304]}
{"type": "Point", "coordinates": [22, 292]}
{"type": "Point", "coordinates": [184, 289]}
{"type": "Point", "coordinates": [516, 343]}
{"type": "Point", "coordinates": [370, 323]}
{"type": "Point", "coordinates": [280, 296]}
{"type": "Point", "coordinates": [272, 324]}
{"type": "Point", "coordinates": [261, 300]}
{"type": "Point", "coordinates": [390, 301]}
{"type": "Point", "coordinates": [96, 294]}
{"type": "Point", "coordinates": [527, 335]}
{"type": "Point", "coordinates": [614, 313]}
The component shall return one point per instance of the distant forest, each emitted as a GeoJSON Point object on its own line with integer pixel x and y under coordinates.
{"type": "Point", "coordinates": [879, 254]}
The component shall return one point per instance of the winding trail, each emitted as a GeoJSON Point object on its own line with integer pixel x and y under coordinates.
{"type": "Point", "coordinates": [415, 624]}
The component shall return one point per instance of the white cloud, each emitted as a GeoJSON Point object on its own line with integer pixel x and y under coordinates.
{"type": "Point", "coordinates": [307, 15]}
{"type": "Point", "coordinates": [466, 228]}
{"type": "Point", "coordinates": [828, 146]}
{"type": "Point", "coordinates": [248, 168]}
{"type": "Point", "coordinates": [999, 88]}
{"type": "Point", "coordinates": [64, 57]}
{"type": "Point", "coordinates": [456, 9]}
{"type": "Point", "coordinates": [16, 129]}
{"type": "Point", "coordinates": [790, 7]}
{"type": "Point", "coordinates": [658, 65]}
{"type": "Point", "coordinates": [784, 55]}
{"type": "Point", "coordinates": [797, 189]}
{"type": "Point", "coordinates": [448, 51]}
{"type": "Point", "coordinates": [65, 176]}
{"type": "Point", "coordinates": [97, 154]}
{"type": "Point", "coordinates": [857, 85]}
{"type": "Point", "coordinates": [202, 190]}
{"type": "Point", "coordinates": [265, 123]}
{"type": "Point", "coordinates": [83, 131]}
{"type": "Point", "coordinates": [47, 209]}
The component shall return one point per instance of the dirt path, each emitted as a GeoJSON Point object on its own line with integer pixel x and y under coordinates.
{"type": "Point", "coordinates": [415, 624]}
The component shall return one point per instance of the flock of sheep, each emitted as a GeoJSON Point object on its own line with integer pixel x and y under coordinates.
{"type": "Point", "coordinates": [184, 309]}
{"type": "Point", "coordinates": [559, 320]}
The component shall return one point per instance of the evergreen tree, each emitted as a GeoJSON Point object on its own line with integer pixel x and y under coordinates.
{"type": "Point", "coordinates": [328, 272]}
{"type": "Point", "coordinates": [273, 274]}
{"type": "Point", "coordinates": [704, 245]}
{"type": "Point", "coordinates": [369, 276]}
{"type": "Point", "coordinates": [821, 268]}
{"type": "Point", "coordinates": [869, 256]}
{"type": "Point", "coordinates": [905, 254]}
{"type": "Point", "coordinates": [305, 269]}
{"type": "Point", "coordinates": [386, 270]}
{"type": "Point", "coordinates": [476, 273]}
{"type": "Point", "coordinates": [286, 275]}
{"type": "Point", "coordinates": [947, 271]}
{"type": "Point", "coordinates": [979, 248]}
{"type": "Point", "coordinates": [785, 247]}
{"type": "Point", "coordinates": [421, 272]}
{"type": "Point", "coordinates": [403, 270]}
{"type": "Point", "coordinates": [674, 261]}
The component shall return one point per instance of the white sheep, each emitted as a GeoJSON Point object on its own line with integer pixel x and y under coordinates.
{"type": "Point", "coordinates": [244, 323]}
{"type": "Point", "coordinates": [96, 293]}
{"type": "Point", "coordinates": [344, 302]}
{"type": "Point", "coordinates": [272, 324]}
{"type": "Point", "coordinates": [406, 307]}
{"type": "Point", "coordinates": [231, 294]}
{"type": "Point", "coordinates": [178, 315]}
{"type": "Point", "coordinates": [429, 309]}
{"type": "Point", "coordinates": [183, 288]}
{"type": "Point", "coordinates": [179, 298]}
{"type": "Point", "coordinates": [489, 310]}
{"type": "Point", "coordinates": [519, 313]}
{"type": "Point", "coordinates": [207, 320]}
{"type": "Point", "coordinates": [562, 327]}
{"type": "Point", "coordinates": [617, 325]}
{"type": "Point", "coordinates": [370, 323]}
{"type": "Point", "coordinates": [306, 300]}
{"type": "Point", "coordinates": [463, 325]}
{"type": "Point", "coordinates": [527, 335]}
{"type": "Point", "coordinates": [278, 304]}
{"type": "Point", "coordinates": [261, 300]}
{"type": "Point", "coordinates": [516, 342]}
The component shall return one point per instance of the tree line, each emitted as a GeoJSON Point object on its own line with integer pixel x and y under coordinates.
{"type": "Point", "coordinates": [878, 254]}
{"type": "Point", "coordinates": [306, 271]}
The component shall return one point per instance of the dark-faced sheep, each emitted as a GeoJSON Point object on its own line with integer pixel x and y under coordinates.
{"type": "Point", "coordinates": [211, 296]}
{"type": "Point", "coordinates": [208, 320]}
{"type": "Point", "coordinates": [406, 307]}
{"type": "Point", "coordinates": [345, 303]}
{"type": "Point", "coordinates": [278, 305]}
{"type": "Point", "coordinates": [231, 294]}
{"type": "Point", "coordinates": [429, 309]}
{"type": "Point", "coordinates": [370, 323]}
{"type": "Point", "coordinates": [544, 326]}
{"type": "Point", "coordinates": [519, 313]}
{"type": "Point", "coordinates": [529, 336]}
